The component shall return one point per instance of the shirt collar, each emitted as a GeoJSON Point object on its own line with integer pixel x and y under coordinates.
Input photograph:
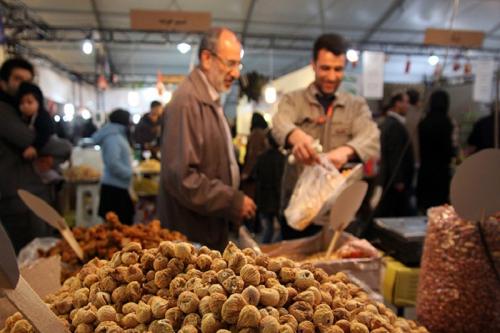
{"type": "Point", "coordinates": [399, 117]}
{"type": "Point", "coordinates": [214, 95]}
{"type": "Point", "coordinates": [313, 91]}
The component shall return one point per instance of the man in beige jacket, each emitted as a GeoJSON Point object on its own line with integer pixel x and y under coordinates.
{"type": "Point", "coordinates": [341, 122]}
{"type": "Point", "coordinates": [199, 175]}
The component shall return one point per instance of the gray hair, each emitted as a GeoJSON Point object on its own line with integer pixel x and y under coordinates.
{"type": "Point", "coordinates": [210, 40]}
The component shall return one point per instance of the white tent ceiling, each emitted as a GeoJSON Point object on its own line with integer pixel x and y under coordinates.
{"type": "Point", "coordinates": [281, 29]}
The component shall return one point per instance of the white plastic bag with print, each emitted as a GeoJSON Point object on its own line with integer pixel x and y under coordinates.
{"type": "Point", "coordinates": [318, 184]}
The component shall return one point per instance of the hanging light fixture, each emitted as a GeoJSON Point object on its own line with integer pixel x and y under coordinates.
{"type": "Point", "coordinates": [136, 118]}
{"type": "Point", "coordinates": [183, 47]}
{"type": "Point", "coordinates": [270, 94]}
{"type": "Point", "coordinates": [87, 47]}
{"type": "Point", "coordinates": [352, 55]}
{"type": "Point", "coordinates": [407, 65]}
{"type": "Point", "coordinates": [433, 60]}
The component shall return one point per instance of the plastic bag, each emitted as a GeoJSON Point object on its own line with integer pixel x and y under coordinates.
{"type": "Point", "coordinates": [318, 184]}
{"type": "Point", "coordinates": [29, 253]}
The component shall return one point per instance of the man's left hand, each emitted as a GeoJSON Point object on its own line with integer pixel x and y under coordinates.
{"type": "Point", "coordinates": [340, 156]}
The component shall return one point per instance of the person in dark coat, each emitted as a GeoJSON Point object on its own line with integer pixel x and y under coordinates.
{"type": "Point", "coordinates": [397, 162]}
{"type": "Point", "coordinates": [268, 172]}
{"type": "Point", "coordinates": [148, 130]}
{"type": "Point", "coordinates": [436, 152]}
{"type": "Point", "coordinates": [482, 135]}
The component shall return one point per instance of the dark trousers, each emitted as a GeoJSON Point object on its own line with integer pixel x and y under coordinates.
{"type": "Point", "coordinates": [117, 200]}
{"type": "Point", "coordinates": [395, 204]}
{"type": "Point", "coordinates": [267, 222]}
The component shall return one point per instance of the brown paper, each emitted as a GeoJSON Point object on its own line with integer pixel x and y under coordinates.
{"type": "Point", "coordinates": [43, 276]}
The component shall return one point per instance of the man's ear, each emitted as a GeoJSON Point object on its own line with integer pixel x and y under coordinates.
{"type": "Point", "coordinates": [205, 59]}
{"type": "Point", "coordinates": [313, 64]}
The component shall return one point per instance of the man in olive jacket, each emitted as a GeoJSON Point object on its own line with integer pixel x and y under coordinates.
{"type": "Point", "coordinates": [341, 122]}
{"type": "Point", "coordinates": [199, 174]}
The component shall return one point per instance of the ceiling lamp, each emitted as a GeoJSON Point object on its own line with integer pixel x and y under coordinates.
{"type": "Point", "coordinates": [136, 118]}
{"type": "Point", "coordinates": [352, 55]}
{"type": "Point", "coordinates": [85, 113]}
{"type": "Point", "coordinates": [270, 94]}
{"type": "Point", "coordinates": [433, 60]}
{"type": "Point", "coordinates": [87, 46]}
{"type": "Point", "coordinates": [183, 47]}
{"type": "Point", "coordinates": [69, 112]}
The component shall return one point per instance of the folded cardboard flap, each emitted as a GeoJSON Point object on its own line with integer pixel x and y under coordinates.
{"type": "Point", "coordinates": [43, 275]}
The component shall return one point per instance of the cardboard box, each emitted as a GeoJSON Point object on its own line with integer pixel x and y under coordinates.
{"type": "Point", "coordinates": [43, 276]}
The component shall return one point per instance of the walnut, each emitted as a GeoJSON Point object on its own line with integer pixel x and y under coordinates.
{"type": "Point", "coordinates": [251, 295]}
{"type": "Point", "coordinates": [237, 261]}
{"type": "Point", "coordinates": [143, 313]}
{"type": "Point", "coordinates": [249, 317]}
{"type": "Point", "coordinates": [188, 329]}
{"type": "Point", "coordinates": [304, 279]}
{"type": "Point", "coordinates": [108, 327]}
{"type": "Point", "coordinates": [84, 316]}
{"type": "Point", "coordinates": [218, 264]}
{"type": "Point", "coordinates": [90, 280]}
{"type": "Point", "coordinates": [210, 323]}
{"type": "Point", "coordinates": [358, 328]}
{"type": "Point", "coordinates": [323, 315]}
{"type": "Point", "coordinates": [130, 320]}
{"type": "Point", "coordinates": [233, 284]}
{"type": "Point", "coordinates": [184, 252]}
{"type": "Point", "coordinates": [192, 319]}
{"type": "Point", "coordinates": [283, 293]}
{"type": "Point", "coordinates": [188, 302]}
{"type": "Point", "coordinates": [306, 327]}
{"type": "Point", "coordinates": [106, 313]}
{"type": "Point", "coordinates": [269, 297]}
{"type": "Point", "coordinates": [177, 286]}
{"type": "Point", "coordinates": [129, 308]}
{"type": "Point", "coordinates": [158, 307]}
{"type": "Point", "coordinates": [216, 288]}
{"type": "Point", "coordinates": [174, 316]}
{"type": "Point", "coordinates": [163, 278]}
{"type": "Point", "coordinates": [232, 307]}
{"type": "Point", "coordinates": [344, 325]}
{"type": "Point", "coordinates": [84, 328]}
{"type": "Point", "coordinates": [161, 326]}
{"type": "Point", "coordinates": [341, 313]}
{"type": "Point", "coordinates": [301, 311]}
{"type": "Point", "coordinates": [269, 324]}
{"type": "Point", "coordinates": [203, 262]}
{"type": "Point", "coordinates": [204, 306]}
{"type": "Point", "coordinates": [134, 291]}
{"type": "Point", "coordinates": [216, 302]}
{"type": "Point", "coordinates": [129, 258]}
{"type": "Point", "coordinates": [134, 273]}
{"type": "Point", "coordinates": [167, 249]}
{"type": "Point", "coordinates": [22, 326]}
{"type": "Point", "coordinates": [250, 274]}
{"type": "Point", "coordinates": [224, 274]}
{"type": "Point", "coordinates": [160, 263]}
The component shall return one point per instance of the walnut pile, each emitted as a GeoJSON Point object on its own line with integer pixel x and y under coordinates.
{"type": "Point", "coordinates": [175, 288]}
{"type": "Point", "coordinates": [103, 240]}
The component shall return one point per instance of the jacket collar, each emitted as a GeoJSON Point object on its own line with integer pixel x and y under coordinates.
{"type": "Point", "coordinates": [312, 91]}
{"type": "Point", "coordinates": [201, 87]}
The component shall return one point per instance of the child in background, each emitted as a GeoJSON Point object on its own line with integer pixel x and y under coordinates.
{"type": "Point", "coordinates": [31, 106]}
{"type": "Point", "coordinates": [33, 112]}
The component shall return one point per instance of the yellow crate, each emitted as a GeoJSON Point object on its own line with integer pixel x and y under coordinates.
{"type": "Point", "coordinates": [399, 284]}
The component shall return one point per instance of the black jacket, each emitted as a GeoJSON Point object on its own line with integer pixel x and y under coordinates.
{"type": "Point", "coordinates": [396, 154]}
{"type": "Point", "coordinates": [268, 172]}
{"type": "Point", "coordinates": [44, 129]}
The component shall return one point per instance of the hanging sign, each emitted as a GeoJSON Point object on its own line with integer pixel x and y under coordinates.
{"type": "Point", "coordinates": [483, 81]}
{"type": "Point", "coordinates": [454, 38]}
{"type": "Point", "coordinates": [373, 74]}
{"type": "Point", "coordinates": [158, 20]}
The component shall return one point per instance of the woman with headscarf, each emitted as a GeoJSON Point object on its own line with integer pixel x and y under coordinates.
{"type": "Point", "coordinates": [116, 155]}
{"type": "Point", "coordinates": [435, 133]}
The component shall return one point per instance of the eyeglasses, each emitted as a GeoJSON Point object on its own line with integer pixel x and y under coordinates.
{"type": "Point", "coordinates": [229, 64]}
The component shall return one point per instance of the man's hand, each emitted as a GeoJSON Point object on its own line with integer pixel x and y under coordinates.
{"type": "Point", "coordinates": [248, 208]}
{"type": "Point", "coordinates": [340, 156]}
{"type": "Point", "coordinates": [30, 153]}
{"type": "Point", "coordinates": [302, 144]}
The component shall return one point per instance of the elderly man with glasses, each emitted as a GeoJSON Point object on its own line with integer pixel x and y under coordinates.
{"type": "Point", "coordinates": [199, 193]}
